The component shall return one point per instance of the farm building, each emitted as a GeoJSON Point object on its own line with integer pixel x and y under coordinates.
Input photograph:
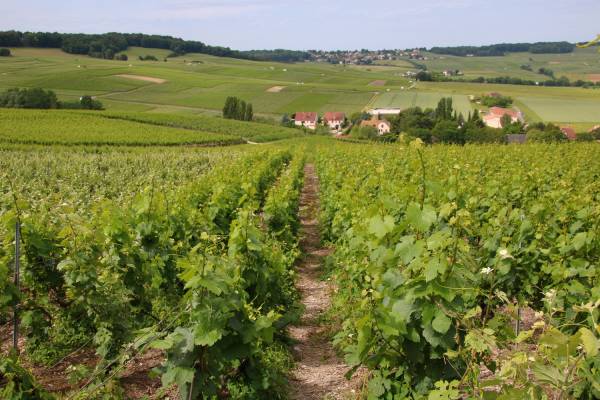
{"type": "Point", "coordinates": [335, 120]}
{"type": "Point", "coordinates": [569, 132]}
{"type": "Point", "coordinates": [516, 139]}
{"type": "Point", "coordinates": [306, 119]}
{"type": "Point", "coordinates": [493, 118]}
{"type": "Point", "coordinates": [376, 112]}
{"type": "Point", "coordinates": [381, 125]}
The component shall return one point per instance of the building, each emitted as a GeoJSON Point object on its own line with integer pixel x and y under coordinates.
{"type": "Point", "coordinates": [516, 139]}
{"type": "Point", "coordinates": [376, 112]}
{"type": "Point", "coordinates": [594, 129]}
{"type": "Point", "coordinates": [381, 125]}
{"type": "Point", "coordinates": [306, 119]}
{"type": "Point", "coordinates": [569, 132]}
{"type": "Point", "coordinates": [493, 118]}
{"type": "Point", "coordinates": [335, 120]}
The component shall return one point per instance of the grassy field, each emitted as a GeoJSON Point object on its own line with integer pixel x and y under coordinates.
{"type": "Point", "coordinates": [199, 84]}
{"type": "Point", "coordinates": [581, 64]}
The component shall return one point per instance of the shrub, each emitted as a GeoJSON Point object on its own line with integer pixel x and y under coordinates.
{"type": "Point", "coordinates": [4, 52]}
{"type": "Point", "coordinates": [546, 136]}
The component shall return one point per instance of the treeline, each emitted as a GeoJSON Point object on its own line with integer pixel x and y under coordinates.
{"type": "Point", "coordinates": [563, 81]}
{"type": "Point", "coordinates": [108, 45]}
{"type": "Point", "coordinates": [279, 55]}
{"type": "Point", "coordinates": [37, 98]}
{"type": "Point", "coordinates": [503, 48]}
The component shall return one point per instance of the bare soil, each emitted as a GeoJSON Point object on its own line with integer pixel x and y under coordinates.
{"type": "Point", "coordinates": [319, 373]}
{"type": "Point", "coordinates": [275, 89]}
{"type": "Point", "coordinates": [142, 78]}
{"type": "Point", "coordinates": [378, 83]}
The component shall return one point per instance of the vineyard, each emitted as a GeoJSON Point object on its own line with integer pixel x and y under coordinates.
{"type": "Point", "coordinates": [130, 129]}
{"type": "Point", "coordinates": [171, 272]}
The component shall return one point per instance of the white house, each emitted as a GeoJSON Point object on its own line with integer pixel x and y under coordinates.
{"type": "Point", "coordinates": [335, 120]}
{"type": "Point", "coordinates": [381, 125]}
{"type": "Point", "coordinates": [384, 111]}
{"type": "Point", "coordinates": [306, 119]}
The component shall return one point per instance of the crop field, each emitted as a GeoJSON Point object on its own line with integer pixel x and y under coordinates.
{"type": "Point", "coordinates": [132, 129]}
{"type": "Point", "coordinates": [414, 98]}
{"type": "Point", "coordinates": [199, 84]}
{"type": "Point", "coordinates": [446, 259]}
{"type": "Point", "coordinates": [577, 65]}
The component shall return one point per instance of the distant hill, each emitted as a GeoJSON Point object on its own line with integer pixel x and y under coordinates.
{"type": "Point", "coordinates": [109, 45]}
{"type": "Point", "coordinates": [502, 49]}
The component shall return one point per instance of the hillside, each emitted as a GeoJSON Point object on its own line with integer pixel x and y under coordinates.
{"type": "Point", "coordinates": [199, 83]}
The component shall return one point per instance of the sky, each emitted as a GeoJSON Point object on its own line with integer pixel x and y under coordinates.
{"type": "Point", "coordinates": [316, 24]}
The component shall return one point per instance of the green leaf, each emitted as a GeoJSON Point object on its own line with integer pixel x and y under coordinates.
{"type": "Point", "coordinates": [579, 240]}
{"type": "Point", "coordinates": [441, 323]}
{"type": "Point", "coordinates": [590, 343]}
{"type": "Point", "coordinates": [403, 309]}
{"type": "Point", "coordinates": [420, 219]}
{"type": "Point", "coordinates": [381, 226]}
{"type": "Point", "coordinates": [432, 268]}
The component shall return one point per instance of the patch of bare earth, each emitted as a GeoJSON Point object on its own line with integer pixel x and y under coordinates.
{"type": "Point", "coordinates": [134, 378]}
{"type": "Point", "coordinates": [378, 83]}
{"type": "Point", "coordinates": [319, 372]}
{"type": "Point", "coordinates": [275, 89]}
{"type": "Point", "coordinates": [142, 78]}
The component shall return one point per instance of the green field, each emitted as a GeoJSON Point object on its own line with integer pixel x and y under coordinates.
{"type": "Point", "coordinates": [199, 84]}
{"type": "Point", "coordinates": [132, 129]}
{"type": "Point", "coordinates": [581, 64]}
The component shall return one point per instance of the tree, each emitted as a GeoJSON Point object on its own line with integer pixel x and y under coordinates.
{"type": "Point", "coordinates": [29, 98]}
{"type": "Point", "coordinates": [4, 52]}
{"type": "Point", "coordinates": [505, 121]}
{"type": "Point", "coordinates": [89, 103]}
{"type": "Point", "coordinates": [249, 113]}
{"type": "Point", "coordinates": [235, 108]}
{"type": "Point", "coordinates": [444, 110]}
{"type": "Point", "coordinates": [448, 132]}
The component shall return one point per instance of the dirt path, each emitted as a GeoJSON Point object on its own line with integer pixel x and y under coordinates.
{"type": "Point", "coordinates": [319, 373]}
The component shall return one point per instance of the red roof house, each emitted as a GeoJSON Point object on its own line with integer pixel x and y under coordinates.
{"type": "Point", "coordinates": [569, 132]}
{"type": "Point", "coordinates": [307, 119]}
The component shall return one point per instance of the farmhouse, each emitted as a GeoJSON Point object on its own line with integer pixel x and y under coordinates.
{"type": "Point", "coordinates": [381, 125]}
{"type": "Point", "coordinates": [306, 119]}
{"type": "Point", "coordinates": [569, 132]}
{"type": "Point", "coordinates": [335, 120]}
{"type": "Point", "coordinates": [376, 112]}
{"type": "Point", "coordinates": [493, 118]}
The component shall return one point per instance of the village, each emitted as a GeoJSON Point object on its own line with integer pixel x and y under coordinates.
{"type": "Point", "coordinates": [379, 120]}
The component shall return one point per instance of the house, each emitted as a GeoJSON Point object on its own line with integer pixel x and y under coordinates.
{"type": "Point", "coordinates": [335, 120]}
{"type": "Point", "coordinates": [493, 118]}
{"type": "Point", "coordinates": [376, 112]}
{"type": "Point", "coordinates": [569, 132]}
{"type": "Point", "coordinates": [306, 119]}
{"type": "Point", "coordinates": [516, 139]}
{"type": "Point", "coordinates": [381, 125]}
{"type": "Point", "coordinates": [594, 129]}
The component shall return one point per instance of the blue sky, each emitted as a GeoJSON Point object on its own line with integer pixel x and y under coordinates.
{"type": "Point", "coordinates": [320, 24]}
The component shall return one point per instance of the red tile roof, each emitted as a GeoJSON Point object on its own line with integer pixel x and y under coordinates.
{"type": "Point", "coordinates": [334, 116]}
{"type": "Point", "coordinates": [499, 111]}
{"type": "Point", "coordinates": [569, 132]}
{"type": "Point", "coordinates": [306, 117]}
